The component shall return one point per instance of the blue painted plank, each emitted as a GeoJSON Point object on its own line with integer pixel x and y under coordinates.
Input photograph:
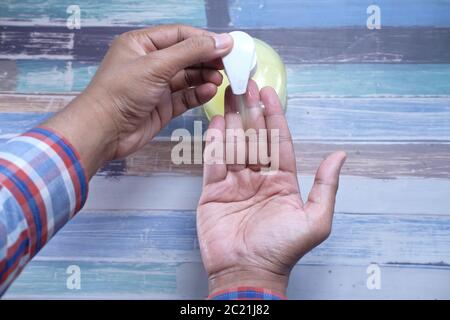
{"type": "Point", "coordinates": [111, 12]}
{"type": "Point", "coordinates": [243, 13]}
{"type": "Point", "coordinates": [170, 236]}
{"type": "Point", "coordinates": [318, 119]}
{"type": "Point", "coordinates": [335, 13]}
{"type": "Point", "coordinates": [369, 119]}
{"type": "Point", "coordinates": [12, 123]}
{"type": "Point", "coordinates": [377, 159]}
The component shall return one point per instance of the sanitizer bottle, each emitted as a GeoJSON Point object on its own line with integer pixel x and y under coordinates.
{"type": "Point", "coordinates": [249, 58]}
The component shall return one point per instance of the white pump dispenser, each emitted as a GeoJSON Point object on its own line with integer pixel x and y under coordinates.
{"type": "Point", "coordinates": [240, 64]}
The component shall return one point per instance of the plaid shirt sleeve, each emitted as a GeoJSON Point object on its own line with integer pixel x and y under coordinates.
{"type": "Point", "coordinates": [42, 185]}
{"type": "Point", "coordinates": [247, 293]}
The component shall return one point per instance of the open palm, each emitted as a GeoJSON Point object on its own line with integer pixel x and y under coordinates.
{"type": "Point", "coordinates": [254, 226]}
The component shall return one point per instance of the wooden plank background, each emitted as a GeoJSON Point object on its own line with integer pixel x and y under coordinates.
{"type": "Point", "coordinates": [381, 95]}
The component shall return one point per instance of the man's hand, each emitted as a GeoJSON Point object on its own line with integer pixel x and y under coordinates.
{"type": "Point", "coordinates": [254, 227]}
{"type": "Point", "coordinates": [148, 77]}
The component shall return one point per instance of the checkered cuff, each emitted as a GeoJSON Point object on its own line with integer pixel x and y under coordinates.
{"type": "Point", "coordinates": [247, 293]}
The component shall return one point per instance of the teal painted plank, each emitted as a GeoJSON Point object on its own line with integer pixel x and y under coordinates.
{"type": "Point", "coordinates": [110, 280]}
{"type": "Point", "coordinates": [336, 13]}
{"type": "Point", "coordinates": [305, 80]}
{"type": "Point", "coordinates": [60, 76]}
{"type": "Point", "coordinates": [46, 279]}
{"type": "Point", "coordinates": [317, 119]}
{"type": "Point", "coordinates": [356, 80]}
{"type": "Point", "coordinates": [170, 236]}
{"type": "Point", "coordinates": [104, 13]}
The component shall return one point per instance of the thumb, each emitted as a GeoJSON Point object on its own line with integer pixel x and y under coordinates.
{"type": "Point", "coordinates": [322, 196]}
{"type": "Point", "coordinates": [189, 52]}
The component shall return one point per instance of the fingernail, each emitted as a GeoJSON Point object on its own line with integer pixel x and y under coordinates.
{"type": "Point", "coordinates": [223, 40]}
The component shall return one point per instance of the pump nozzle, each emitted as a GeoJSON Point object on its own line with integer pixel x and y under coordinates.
{"type": "Point", "coordinates": [240, 64]}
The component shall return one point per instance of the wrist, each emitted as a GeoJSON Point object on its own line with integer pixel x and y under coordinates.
{"type": "Point", "coordinates": [89, 129]}
{"type": "Point", "coordinates": [241, 277]}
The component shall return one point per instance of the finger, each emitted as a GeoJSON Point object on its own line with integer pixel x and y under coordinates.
{"type": "Point", "coordinates": [164, 114]}
{"type": "Point", "coordinates": [192, 97]}
{"type": "Point", "coordinates": [194, 77]}
{"type": "Point", "coordinates": [321, 198]}
{"type": "Point", "coordinates": [164, 36]}
{"type": "Point", "coordinates": [164, 64]}
{"type": "Point", "coordinates": [276, 122]}
{"type": "Point", "coordinates": [252, 118]}
{"type": "Point", "coordinates": [235, 144]}
{"type": "Point", "coordinates": [216, 64]}
{"type": "Point", "coordinates": [215, 169]}
{"type": "Point", "coordinates": [255, 126]}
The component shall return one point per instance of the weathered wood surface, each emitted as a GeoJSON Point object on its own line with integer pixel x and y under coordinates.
{"type": "Point", "coordinates": [144, 255]}
{"type": "Point", "coordinates": [381, 95]}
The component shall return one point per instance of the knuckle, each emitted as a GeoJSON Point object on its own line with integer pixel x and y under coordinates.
{"type": "Point", "coordinates": [188, 78]}
{"type": "Point", "coordinates": [160, 71]}
{"type": "Point", "coordinates": [116, 42]}
{"type": "Point", "coordinates": [174, 27]}
{"type": "Point", "coordinates": [192, 98]}
{"type": "Point", "coordinates": [178, 26]}
{"type": "Point", "coordinates": [123, 39]}
{"type": "Point", "coordinates": [197, 42]}
{"type": "Point", "coordinates": [128, 34]}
